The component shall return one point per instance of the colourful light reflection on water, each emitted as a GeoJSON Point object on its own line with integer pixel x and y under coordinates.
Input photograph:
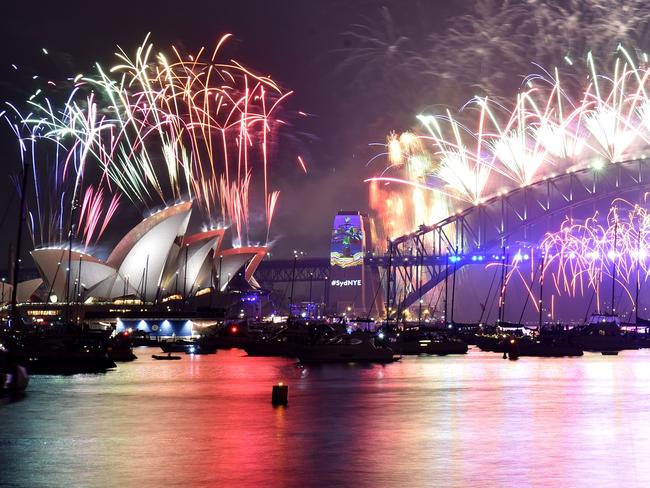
{"type": "Point", "coordinates": [475, 420]}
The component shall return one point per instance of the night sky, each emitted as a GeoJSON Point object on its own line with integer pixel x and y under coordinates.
{"type": "Point", "coordinates": [360, 69]}
{"type": "Point", "coordinates": [302, 45]}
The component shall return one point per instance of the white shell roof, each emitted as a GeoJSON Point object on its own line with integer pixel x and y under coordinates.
{"type": "Point", "coordinates": [196, 251]}
{"type": "Point", "coordinates": [150, 260]}
{"type": "Point", "coordinates": [25, 290]}
{"type": "Point", "coordinates": [230, 261]}
{"type": "Point", "coordinates": [143, 252]}
{"type": "Point", "coordinates": [86, 271]}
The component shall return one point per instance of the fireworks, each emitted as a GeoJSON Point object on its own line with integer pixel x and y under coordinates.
{"type": "Point", "coordinates": [492, 147]}
{"type": "Point", "coordinates": [481, 54]}
{"type": "Point", "coordinates": [587, 256]}
{"type": "Point", "coordinates": [543, 132]}
{"type": "Point", "coordinates": [57, 181]}
{"type": "Point", "coordinates": [158, 129]}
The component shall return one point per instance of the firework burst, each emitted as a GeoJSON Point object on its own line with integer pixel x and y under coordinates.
{"type": "Point", "coordinates": [543, 132]}
{"type": "Point", "coordinates": [158, 129]}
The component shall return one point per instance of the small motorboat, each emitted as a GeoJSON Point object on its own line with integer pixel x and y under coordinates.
{"type": "Point", "coordinates": [168, 357]}
{"type": "Point", "coordinates": [178, 345]}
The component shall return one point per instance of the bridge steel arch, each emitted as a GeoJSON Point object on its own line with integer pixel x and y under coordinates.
{"type": "Point", "coordinates": [420, 259]}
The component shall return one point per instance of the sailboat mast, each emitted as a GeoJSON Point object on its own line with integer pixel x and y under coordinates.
{"type": "Point", "coordinates": [293, 278]}
{"type": "Point", "coordinates": [19, 236]}
{"type": "Point", "coordinates": [419, 281]}
{"type": "Point", "coordinates": [390, 263]}
{"type": "Point", "coordinates": [187, 248]}
{"type": "Point", "coordinates": [68, 271]}
{"type": "Point", "coordinates": [638, 283]}
{"type": "Point", "coordinates": [541, 289]}
{"type": "Point", "coordinates": [146, 277]}
{"type": "Point", "coordinates": [502, 287]}
{"type": "Point", "coordinates": [614, 264]}
{"type": "Point", "coordinates": [446, 287]}
{"type": "Point", "coordinates": [453, 292]}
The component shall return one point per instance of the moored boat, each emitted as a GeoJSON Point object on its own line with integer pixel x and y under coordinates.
{"type": "Point", "coordinates": [346, 349]}
{"type": "Point", "coordinates": [545, 348]}
{"type": "Point", "coordinates": [120, 348]}
{"type": "Point", "coordinates": [524, 342]}
{"type": "Point", "coordinates": [289, 340]}
{"type": "Point", "coordinates": [603, 333]}
{"type": "Point", "coordinates": [68, 349]}
{"type": "Point", "coordinates": [230, 335]}
{"type": "Point", "coordinates": [428, 343]}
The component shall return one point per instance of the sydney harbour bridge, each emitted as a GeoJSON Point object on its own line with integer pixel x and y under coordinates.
{"type": "Point", "coordinates": [480, 234]}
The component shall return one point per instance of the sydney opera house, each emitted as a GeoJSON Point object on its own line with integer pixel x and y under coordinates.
{"type": "Point", "coordinates": [155, 262]}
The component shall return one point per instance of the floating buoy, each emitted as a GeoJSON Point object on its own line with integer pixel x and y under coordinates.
{"type": "Point", "coordinates": [513, 350]}
{"type": "Point", "coordinates": [280, 394]}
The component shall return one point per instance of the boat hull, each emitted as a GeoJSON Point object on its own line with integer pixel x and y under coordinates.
{"type": "Point", "coordinates": [311, 358]}
{"type": "Point", "coordinates": [431, 348]}
{"type": "Point", "coordinates": [72, 363]}
{"type": "Point", "coordinates": [346, 353]}
{"type": "Point", "coordinates": [181, 346]}
{"type": "Point", "coordinates": [271, 348]}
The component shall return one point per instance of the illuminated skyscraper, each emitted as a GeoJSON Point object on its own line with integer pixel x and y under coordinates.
{"type": "Point", "coordinates": [353, 285]}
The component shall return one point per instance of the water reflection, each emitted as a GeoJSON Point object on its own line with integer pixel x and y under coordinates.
{"type": "Point", "coordinates": [429, 421]}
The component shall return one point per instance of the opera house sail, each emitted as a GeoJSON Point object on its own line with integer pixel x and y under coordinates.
{"type": "Point", "coordinates": [154, 260]}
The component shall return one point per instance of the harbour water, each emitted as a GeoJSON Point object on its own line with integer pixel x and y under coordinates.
{"type": "Point", "coordinates": [474, 420]}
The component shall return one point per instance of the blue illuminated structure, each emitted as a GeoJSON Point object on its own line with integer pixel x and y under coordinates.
{"type": "Point", "coordinates": [158, 328]}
